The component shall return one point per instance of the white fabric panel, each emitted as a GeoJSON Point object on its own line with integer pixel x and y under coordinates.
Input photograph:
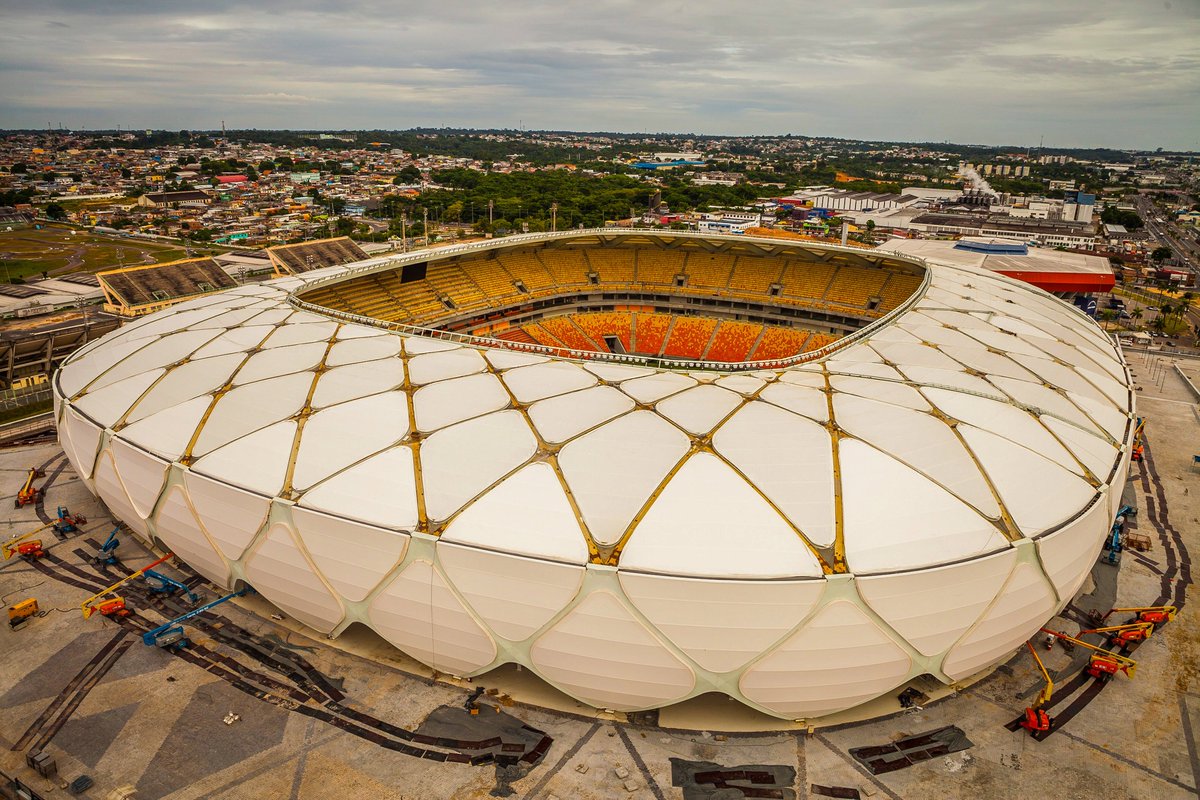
{"type": "Point", "coordinates": [1024, 605]}
{"type": "Point", "coordinates": [699, 410]}
{"type": "Point", "coordinates": [709, 522]}
{"type": "Point", "coordinates": [1107, 417]}
{"type": "Point", "coordinates": [280, 361]}
{"type": "Point", "coordinates": [557, 419]}
{"type": "Point", "coordinates": [609, 487]}
{"type": "Point", "coordinates": [109, 404]}
{"type": "Point", "coordinates": [112, 492]}
{"type": "Point", "coordinates": [357, 380]}
{"type": "Point", "coordinates": [1044, 398]}
{"type": "Point", "coordinates": [414, 345]}
{"type": "Point", "coordinates": [934, 334]}
{"type": "Point", "coordinates": [1068, 554]}
{"type": "Point", "coordinates": [353, 330]}
{"type": "Point", "coordinates": [600, 653]}
{"type": "Point", "coordinates": [440, 366]}
{"type": "Point", "coordinates": [914, 355]}
{"type": "Point", "coordinates": [353, 557]}
{"type": "Point", "coordinates": [248, 408]}
{"type": "Point", "coordinates": [178, 529]}
{"type": "Point", "coordinates": [167, 432]}
{"type": "Point", "coordinates": [945, 377]}
{"type": "Point", "coordinates": [810, 376]}
{"type": "Point", "coordinates": [230, 516]}
{"type": "Point", "coordinates": [166, 350]}
{"type": "Point", "coordinates": [933, 607]}
{"type": "Point", "coordinates": [742, 384]}
{"type": "Point", "coordinates": [887, 511]}
{"type": "Point", "coordinates": [1004, 342]}
{"type": "Point", "coordinates": [447, 402]}
{"type": "Point", "coordinates": [257, 461]}
{"type": "Point", "coordinates": [922, 441]}
{"type": "Point", "coordinates": [229, 319]}
{"type": "Point", "coordinates": [987, 362]}
{"type": "Point", "coordinates": [525, 513]}
{"type": "Point", "coordinates": [1037, 493]}
{"type": "Point", "coordinates": [1096, 453]}
{"type": "Point", "coordinates": [795, 471]}
{"type": "Point", "coordinates": [515, 596]}
{"type": "Point", "coordinates": [142, 475]}
{"type": "Point", "coordinates": [293, 333]}
{"type": "Point", "coordinates": [655, 387]}
{"type": "Point", "coordinates": [837, 660]}
{"type": "Point", "coordinates": [529, 384]}
{"type": "Point", "coordinates": [617, 372]}
{"type": "Point", "coordinates": [83, 441]}
{"type": "Point", "coordinates": [461, 461]}
{"type": "Point", "coordinates": [357, 350]}
{"type": "Point", "coordinates": [854, 354]}
{"type": "Point", "coordinates": [184, 382]}
{"type": "Point", "coordinates": [721, 624]}
{"type": "Point", "coordinates": [418, 613]}
{"type": "Point", "coordinates": [381, 490]}
{"type": "Point", "coordinates": [280, 572]}
{"type": "Point", "coordinates": [1012, 423]}
{"type": "Point", "coordinates": [235, 340]}
{"type": "Point", "coordinates": [1062, 377]}
{"type": "Point", "coordinates": [886, 391]}
{"type": "Point", "coordinates": [811, 403]}
{"type": "Point", "coordinates": [336, 437]}
{"type": "Point", "coordinates": [507, 359]}
{"type": "Point", "coordinates": [865, 369]}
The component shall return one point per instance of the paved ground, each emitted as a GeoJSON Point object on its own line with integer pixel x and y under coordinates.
{"type": "Point", "coordinates": [316, 721]}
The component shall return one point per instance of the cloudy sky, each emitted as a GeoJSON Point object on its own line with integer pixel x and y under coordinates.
{"type": "Point", "coordinates": [1079, 72]}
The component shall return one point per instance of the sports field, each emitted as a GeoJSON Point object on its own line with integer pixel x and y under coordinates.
{"type": "Point", "coordinates": [59, 250]}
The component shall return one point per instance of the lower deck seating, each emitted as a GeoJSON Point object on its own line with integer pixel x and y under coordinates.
{"type": "Point", "coordinates": [733, 341]}
{"type": "Point", "coordinates": [607, 323]}
{"type": "Point", "coordinates": [779, 343]}
{"type": "Point", "coordinates": [567, 332]}
{"type": "Point", "coordinates": [689, 337]}
{"type": "Point", "coordinates": [650, 332]}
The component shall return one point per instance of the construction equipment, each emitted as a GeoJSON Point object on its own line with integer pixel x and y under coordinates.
{"type": "Point", "coordinates": [115, 604]}
{"type": "Point", "coordinates": [18, 546]}
{"type": "Point", "coordinates": [1155, 615]}
{"type": "Point", "coordinates": [1104, 663]}
{"type": "Point", "coordinates": [1036, 719]}
{"type": "Point", "coordinates": [158, 583]}
{"type": "Point", "coordinates": [1115, 543]}
{"type": "Point", "coordinates": [30, 494]}
{"type": "Point", "coordinates": [68, 522]}
{"type": "Point", "coordinates": [171, 635]}
{"type": "Point", "coordinates": [20, 613]}
{"type": "Point", "coordinates": [1124, 635]}
{"type": "Point", "coordinates": [1138, 449]}
{"type": "Point", "coordinates": [107, 554]}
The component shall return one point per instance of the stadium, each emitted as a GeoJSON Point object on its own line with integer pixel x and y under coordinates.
{"type": "Point", "coordinates": [644, 466]}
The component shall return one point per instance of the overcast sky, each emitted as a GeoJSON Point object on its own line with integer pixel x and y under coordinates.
{"type": "Point", "coordinates": [1081, 73]}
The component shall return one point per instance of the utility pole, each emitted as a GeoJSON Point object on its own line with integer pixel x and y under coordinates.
{"type": "Point", "coordinates": [426, 227]}
{"type": "Point", "coordinates": [491, 206]}
{"type": "Point", "coordinates": [404, 233]}
{"type": "Point", "coordinates": [554, 216]}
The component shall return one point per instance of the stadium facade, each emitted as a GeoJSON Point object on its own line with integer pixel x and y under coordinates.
{"type": "Point", "coordinates": [802, 534]}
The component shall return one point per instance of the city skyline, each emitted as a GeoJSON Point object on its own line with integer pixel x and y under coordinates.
{"type": "Point", "coordinates": [1074, 75]}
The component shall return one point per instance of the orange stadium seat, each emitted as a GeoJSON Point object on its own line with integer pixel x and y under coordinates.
{"type": "Point", "coordinates": [597, 325]}
{"type": "Point", "coordinates": [819, 340]}
{"type": "Point", "coordinates": [567, 266]}
{"type": "Point", "coordinates": [650, 331]}
{"type": "Point", "coordinates": [540, 334]}
{"type": "Point", "coordinates": [753, 276]}
{"type": "Point", "coordinates": [779, 342]}
{"type": "Point", "coordinates": [709, 270]}
{"type": "Point", "coordinates": [689, 337]}
{"type": "Point", "coordinates": [897, 289]}
{"type": "Point", "coordinates": [528, 269]}
{"type": "Point", "coordinates": [563, 329]}
{"type": "Point", "coordinates": [733, 341]}
{"type": "Point", "coordinates": [854, 286]}
{"type": "Point", "coordinates": [805, 279]}
{"type": "Point", "coordinates": [612, 265]}
{"type": "Point", "coordinates": [659, 267]}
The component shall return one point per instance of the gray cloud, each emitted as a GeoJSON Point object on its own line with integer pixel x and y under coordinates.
{"type": "Point", "coordinates": [1081, 73]}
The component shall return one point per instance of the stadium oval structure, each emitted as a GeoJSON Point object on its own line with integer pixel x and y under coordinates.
{"type": "Point", "coordinates": [803, 535]}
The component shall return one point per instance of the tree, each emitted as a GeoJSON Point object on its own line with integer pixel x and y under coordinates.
{"type": "Point", "coordinates": [407, 176]}
{"type": "Point", "coordinates": [1161, 254]}
{"type": "Point", "coordinates": [1137, 315]}
{"type": "Point", "coordinates": [19, 169]}
{"type": "Point", "coordinates": [56, 212]}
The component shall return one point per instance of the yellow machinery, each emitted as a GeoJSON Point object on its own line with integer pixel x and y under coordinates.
{"type": "Point", "coordinates": [1124, 635]}
{"type": "Point", "coordinates": [115, 605]}
{"type": "Point", "coordinates": [1155, 615]}
{"type": "Point", "coordinates": [30, 494]}
{"type": "Point", "coordinates": [1036, 719]}
{"type": "Point", "coordinates": [1104, 663]}
{"type": "Point", "coordinates": [19, 613]}
{"type": "Point", "coordinates": [13, 546]}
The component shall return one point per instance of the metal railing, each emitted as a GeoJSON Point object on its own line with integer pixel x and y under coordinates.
{"type": "Point", "coordinates": [19, 398]}
{"type": "Point", "coordinates": [656, 362]}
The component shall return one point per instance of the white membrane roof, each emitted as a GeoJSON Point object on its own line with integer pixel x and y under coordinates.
{"type": "Point", "coordinates": [957, 433]}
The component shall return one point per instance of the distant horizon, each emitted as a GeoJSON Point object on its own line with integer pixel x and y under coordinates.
{"type": "Point", "coordinates": [460, 130]}
{"type": "Point", "coordinates": [1101, 74]}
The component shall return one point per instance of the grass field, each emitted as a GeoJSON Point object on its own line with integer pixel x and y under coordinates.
{"type": "Point", "coordinates": [61, 250]}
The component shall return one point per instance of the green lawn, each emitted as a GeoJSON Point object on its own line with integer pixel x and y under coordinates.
{"type": "Point", "coordinates": [54, 249]}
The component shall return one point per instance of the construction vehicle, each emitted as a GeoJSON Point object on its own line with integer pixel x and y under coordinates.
{"type": "Point", "coordinates": [22, 612]}
{"type": "Point", "coordinates": [1036, 719]}
{"type": "Point", "coordinates": [68, 522]}
{"type": "Point", "coordinates": [17, 546]}
{"type": "Point", "coordinates": [115, 605]}
{"type": "Point", "coordinates": [1115, 543]}
{"type": "Point", "coordinates": [1103, 663]}
{"type": "Point", "coordinates": [29, 494]}
{"type": "Point", "coordinates": [171, 635]}
{"type": "Point", "coordinates": [1124, 635]}
{"type": "Point", "coordinates": [1154, 615]}
{"type": "Point", "coordinates": [1138, 450]}
{"type": "Point", "coordinates": [160, 584]}
{"type": "Point", "coordinates": [107, 554]}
